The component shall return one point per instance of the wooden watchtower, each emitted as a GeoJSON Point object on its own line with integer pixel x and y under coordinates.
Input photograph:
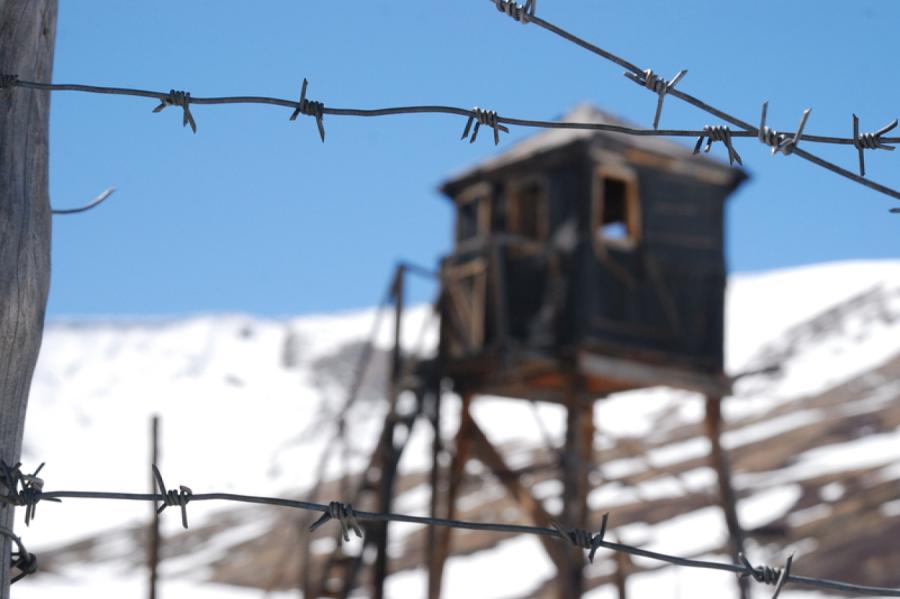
{"type": "Point", "coordinates": [584, 263]}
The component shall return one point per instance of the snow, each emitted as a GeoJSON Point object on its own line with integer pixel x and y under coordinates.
{"type": "Point", "coordinates": [810, 514]}
{"type": "Point", "coordinates": [762, 307]}
{"type": "Point", "coordinates": [872, 451]}
{"type": "Point", "coordinates": [832, 491]}
{"type": "Point", "coordinates": [624, 467]}
{"type": "Point", "coordinates": [767, 506]}
{"type": "Point", "coordinates": [687, 534]}
{"type": "Point", "coordinates": [770, 427]}
{"type": "Point", "coordinates": [98, 582]}
{"type": "Point", "coordinates": [890, 509]}
{"type": "Point", "coordinates": [679, 452]}
{"type": "Point", "coordinates": [477, 576]}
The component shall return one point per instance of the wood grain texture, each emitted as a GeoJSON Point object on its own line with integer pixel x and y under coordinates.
{"type": "Point", "coordinates": [27, 36]}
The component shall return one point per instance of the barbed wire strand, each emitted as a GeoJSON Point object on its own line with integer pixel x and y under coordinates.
{"type": "Point", "coordinates": [90, 205]}
{"type": "Point", "coordinates": [648, 79]}
{"type": "Point", "coordinates": [480, 117]}
{"type": "Point", "coordinates": [21, 559]}
{"type": "Point", "coordinates": [349, 518]}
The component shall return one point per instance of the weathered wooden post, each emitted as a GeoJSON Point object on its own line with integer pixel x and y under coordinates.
{"type": "Point", "coordinates": [577, 460]}
{"type": "Point", "coordinates": [153, 544]}
{"type": "Point", "coordinates": [27, 36]}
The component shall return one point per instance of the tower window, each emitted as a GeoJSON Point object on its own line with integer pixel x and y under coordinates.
{"type": "Point", "coordinates": [616, 218]}
{"type": "Point", "coordinates": [473, 214]}
{"type": "Point", "coordinates": [526, 209]}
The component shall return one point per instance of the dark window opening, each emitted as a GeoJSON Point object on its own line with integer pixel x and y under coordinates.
{"type": "Point", "coordinates": [473, 215]}
{"type": "Point", "coordinates": [615, 214]}
{"type": "Point", "coordinates": [467, 221]}
{"type": "Point", "coordinates": [527, 213]}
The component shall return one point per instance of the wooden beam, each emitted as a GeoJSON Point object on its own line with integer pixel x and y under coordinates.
{"type": "Point", "coordinates": [485, 451]}
{"type": "Point", "coordinates": [457, 469]}
{"type": "Point", "coordinates": [727, 497]}
{"type": "Point", "coordinates": [623, 566]}
{"type": "Point", "coordinates": [637, 374]}
{"type": "Point", "coordinates": [390, 454]}
{"type": "Point", "coordinates": [435, 478]}
{"type": "Point", "coordinates": [576, 467]}
{"type": "Point", "coordinates": [153, 545]}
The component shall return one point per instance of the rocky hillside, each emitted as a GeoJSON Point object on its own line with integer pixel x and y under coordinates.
{"type": "Point", "coordinates": [247, 406]}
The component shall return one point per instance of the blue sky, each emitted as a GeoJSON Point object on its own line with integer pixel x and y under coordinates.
{"type": "Point", "coordinates": [254, 214]}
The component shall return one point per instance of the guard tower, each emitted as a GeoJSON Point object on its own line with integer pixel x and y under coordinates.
{"type": "Point", "coordinates": [587, 254]}
{"type": "Point", "coordinates": [584, 263]}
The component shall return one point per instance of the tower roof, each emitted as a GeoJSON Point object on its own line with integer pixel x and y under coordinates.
{"type": "Point", "coordinates": [548, 140]}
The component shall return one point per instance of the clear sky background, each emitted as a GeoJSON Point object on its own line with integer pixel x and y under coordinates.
{"type": "Point", "coordinates": [254, 214]}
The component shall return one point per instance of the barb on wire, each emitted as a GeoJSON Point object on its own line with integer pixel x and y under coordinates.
{"type": "Point", "coordinates": [487, 118]}
{"type": "Point", "coordinates": [22, 490]}
{"type": "Point", "coordinates": [310, 108]}
{"type": "Point", "coordinates": [8, 81]}
{"type": "Point", "coordinates": [781, 142]}
{"type": "Point", "coordinates": [767, 574]}
{"type": "Point", "coordinates": [870, 141]}
{"type": "Point", "coordinates": [344, 514]}
{"type": "Point", "coordinates": [20, 559]}
{"type": "Point", "coordinates": [718, 133]}
{"type": "Point", "coordinates": [92, 204]}
{"type": "Point", "coordinates": [657, 85]}
{"type": "Point", "coordinates": [583, 539]}
{"type": "Point", "coordinates": [182, 99]}
{"type": "Point", "coordinates": [172, 497]}
{"type": "Point", "coordinates": [522, 14]}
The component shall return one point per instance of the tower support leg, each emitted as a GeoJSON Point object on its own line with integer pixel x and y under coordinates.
{"type": "Point", "coordinates": [457, 469]}
{"type": "Point", "coordinates": [576, 465]}
{"type": "Point", "coordinates": [727, 496]}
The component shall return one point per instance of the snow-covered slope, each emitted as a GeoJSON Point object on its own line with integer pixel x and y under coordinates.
{"type": "Point", "coordinates": [247, 405]}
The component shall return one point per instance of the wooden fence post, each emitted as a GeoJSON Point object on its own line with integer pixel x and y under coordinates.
{"type": "Point", "coordinates": [27, 36]}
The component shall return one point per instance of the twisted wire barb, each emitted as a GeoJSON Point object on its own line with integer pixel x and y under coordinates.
{"type": "Point", "coordinates": [350, 518]}
{"type": "Point", "coordinates": [179, 498]}
{"type": "Point", "coordinates": [478, 118]}
{"type": "Point", "coordinates": [345, 515]}
{"type": "Point", "coordinates": [22, 490]}
{"type": "Point", "coordinates": [767, 574]}
{"type": "Point", "coordinates": [718, 133]}
{"type": "Point", "coordinates": [582, 538]}
{"type": "Point", "coordinates": [182, 99]}
{"type": "Point", "coordinates": [487, 118]}
{"type": "Point", "coordinates": [781, 142]}
{"type": "Point", "coordinates": [8, 81]}
{"type": "Point", "coordinates": [522, 14]}
{"type": "Point", "coordinates": [639, 75]}
{"type": "Point", "coordinates": [310, 108]}
{"type": "Point", "coordinates": [657, 85]}
{"type": "Point", "coordinates": [21, 559]}
{"type": "Point", "coordinates": [870, 141]}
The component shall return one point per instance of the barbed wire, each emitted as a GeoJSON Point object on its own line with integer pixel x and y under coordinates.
{"type": "Point", "coordinates": [27, 491]}
{"type": "Point", "coordinates": [89, 206]}
{"type": "Point", "coordinates": [783, 142]}
{"type": "Point", "coordinates": [21, 559]}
